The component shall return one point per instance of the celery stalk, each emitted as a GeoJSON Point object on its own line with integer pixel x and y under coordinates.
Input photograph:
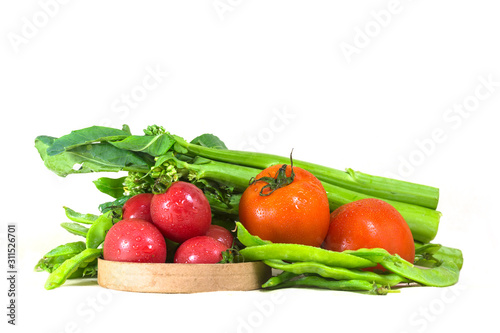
{"type": "Point", "coordinates": [423, 222]}
{"type": "Point", "coordinates": [376, 186]}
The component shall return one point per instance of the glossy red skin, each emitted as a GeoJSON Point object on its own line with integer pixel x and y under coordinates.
{"type": "Point", "coordinates": [370, 223]}
{"type": "Point", "coordinates": [200, 250]}
{"type": "Point", "coordinates": [135, 240]}
{"type": "Point", "coordinates": [221, 234]}
{"type": "Point", "coordinates": [138, 207]}
{"type": "Point", "coordinates": [182, 212]}
{"type": "Point", "coordinates": [298, 213]}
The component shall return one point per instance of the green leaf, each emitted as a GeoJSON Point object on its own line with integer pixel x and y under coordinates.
{"type": "Point", "coordinates": [180, 149]}
{"type": "Point", "coordinates": [85, 136]}
{"type": "Point", "coordinates": [209, 140]}
{"type": "Point", "coordinates": [75, 228]}
{"type": "Point", "coordinates": [79, 217]}
{"type": "Point", "coordinates": [98, 157]}
{"type": "Point", "coordinates": [107, 206]}
{"type": "Point", "coordinates": [126, 129]}
{"type": "Point", "coordinates": [153, 145]}
{"type": "Point", "coordinates": [110, 186]}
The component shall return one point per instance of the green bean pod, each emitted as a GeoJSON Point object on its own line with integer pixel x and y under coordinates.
{"type": "Point", "coordinates": [79, 217]}
{"type": "Point", "coordinates": [68, 267]}
{"type": "Point", "coordinates": [75, 228]}
{"type": "Point", "coordinates": [337, 273]}
{"type": "Point", "coordinates": [444, 275]}
{"type": "Point", "coordinates": [66, 249]}
{"type": "Point", "coordinates": [299, 252]}
{"type": "Point", "coordinates": [324, 283]}
{"type": "Point", "coordinates": [247, 238]}
{"type": "Point", "coordinates": [55, 257]}
{"type": "Point", "coordinates": [439, 252]}
{"type": "Point", "coordinates": [278, 279]}
{"type": "Point", "coordinates": [97, 232]}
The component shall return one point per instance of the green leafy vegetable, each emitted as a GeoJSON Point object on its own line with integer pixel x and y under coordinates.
{"type": "Point", "coordinates": [113, 205]}
{"type": "Point", "coordinates": [210, 141]}
{"type": "Point", "coordinates": [85, 136]}
{"type": "Point", "coordinates": [153, 145]}
{"type": "Point", "coordinates": [111, 186]}
{"type": "Point", "coordinates": [98, 157]}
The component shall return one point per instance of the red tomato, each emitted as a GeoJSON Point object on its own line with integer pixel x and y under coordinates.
{"type": "Point", "coordinates": [182, 212]}
{"type": "Point", "coordinates": [296, 213]}
{"type": "Point", "coordinates": [370, 223]}
{"type": "Point", "coordinates": [138, 207]}
{"type": "Point", "coordinates": [200, 250]}
{"type": "Point", "coordinates": [134, 240]}
{"type": "Point", "coordinates": [221, 234]}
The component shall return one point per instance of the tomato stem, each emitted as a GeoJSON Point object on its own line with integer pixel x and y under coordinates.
{"type": "Point", "coordinates": [279, 180]}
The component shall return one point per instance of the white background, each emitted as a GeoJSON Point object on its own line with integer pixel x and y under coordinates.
{"type": "Point", "coordinates": [373, 85]}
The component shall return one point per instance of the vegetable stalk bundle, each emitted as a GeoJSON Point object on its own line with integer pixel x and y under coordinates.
{"type": "Point", "coordinates": [157, 158]}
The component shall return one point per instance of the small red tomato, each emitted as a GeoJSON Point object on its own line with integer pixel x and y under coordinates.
{"type": "Point", "coordinates": [134, 240]}
{"type": "Point", "coordinates": [200, 250]}
{"type": "Point", "coordinates": [138, 207]}
{"type": "Point", "coordinates": [182, 212]}
{"type": "Point", "coordinates": [370, 223]}
{"type": "Point", "coordinates": [221, 234]}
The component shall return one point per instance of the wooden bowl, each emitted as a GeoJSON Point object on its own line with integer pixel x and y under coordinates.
{"type": "Point", "coordinates": [181, 278]}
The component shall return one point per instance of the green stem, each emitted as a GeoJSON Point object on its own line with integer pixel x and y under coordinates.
{"type": "Point", "coordinates": [381, 187]}
{"type": "Point", "coordinates": [228, 174]}
{"type": "Point", "coordinates": [423, 222]}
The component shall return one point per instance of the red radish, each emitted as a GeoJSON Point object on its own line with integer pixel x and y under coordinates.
{"type": "Point", "coordinates": [221, 234]}
{"type": "Point", "coordinates": [182, 212]}
{"type": "Point", "coordinates": [138, 207]}
{"type": "Point", "coordinates": [134, 240]}
{"type": "Point", "coordinates": [200, 250]}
